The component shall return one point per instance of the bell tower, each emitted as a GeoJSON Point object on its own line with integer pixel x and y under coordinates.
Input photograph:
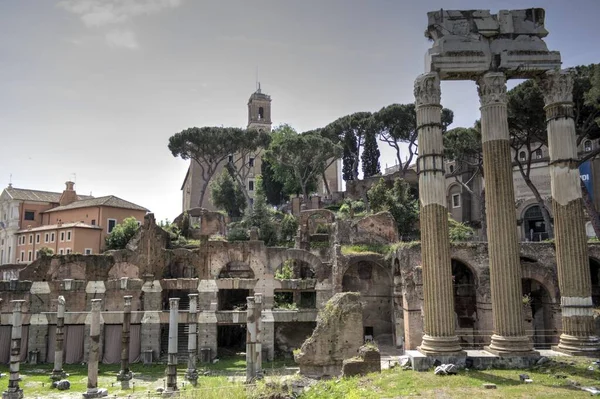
{"type": "Point", "coordinates": [259, 111]}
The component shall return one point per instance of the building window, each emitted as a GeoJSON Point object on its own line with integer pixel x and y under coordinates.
{"type": "Point", "coordinates": [230, 159]}
{"type": "Point", "coordinates": [451, 167]}
{"type": "Point", "coordinates": [22, 256]}
{"type": "Point", "coordinates": [46, 236]}
{"type": "Point", "coordinates": [538, 154]}
{"type": "Point", "coordinates": [61, 251]}
{"type": "Point", "coordinates": [111, 225]}
{"type": "Point", "coordinates": [587, 146]}
{"type": "Point", "coordinates": [522, 156]}
{"type": "Point", "coordinates": [93, 222]}
{"type": "Point", "coordinates": [37, 255]}
{"type": "Point", "coordinates": [68, 251]}
{"type": "Point", "coordinates": [52, 237]}
{"type": "Point", "coordinates": [31, 238]}
{"type": "Point", "coordinates": [251, 162]}
{"type": "Point", "coordinates": [261, 113]}
{"type": "Point", "coordinates": [29, 256]}
{"type": "Point", "coordinates": [455, 200]}
{"type": "Point", "coordinates": [250, 185]}
{"type": "Point", "coordinates": [88, 251]}
{"type": "Point", "coordinates": [37, 238]}
{"type": "Point", "coordinates": [68, 236]}
{"type": "Point", "coordinates": [62, 236]}
{"type": "Point", "coordinates": [29, 215]}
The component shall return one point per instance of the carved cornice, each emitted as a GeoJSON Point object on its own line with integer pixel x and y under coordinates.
{"type": "Point", "coordinates": [427, 89]}
{"type": "Point", "coordinates": [492, 89]}
{"type": "Point", "coordinates": [557, 87]}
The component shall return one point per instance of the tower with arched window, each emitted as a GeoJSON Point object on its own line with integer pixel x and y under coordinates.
{"type": "Point", "coordinates": [259, 111]}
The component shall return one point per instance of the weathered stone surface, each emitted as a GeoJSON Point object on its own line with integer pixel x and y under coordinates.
{"type": "Point", "coordinates": [338, 336]}
{"type": "Point", "coordinates": [379, 228]}
{"type": "Point", "coordinates": [367, 361]}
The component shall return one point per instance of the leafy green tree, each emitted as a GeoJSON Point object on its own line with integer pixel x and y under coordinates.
{"type": "Point", "coordinates": [301, 158]}
{"type": "Point", "coordinates": [122, 233]}
{"type": "Point", "coordinates": [273, 188]}
{"type": "Point", "coordinates": [261, 216]}
{"type": "Point", "coordinates": [208, 146]}
{"type": "Point", "coordinates": [227, 195]}
{"type": "Point", "coordinates": [45, 251]}
{"type": "Point", "coordinates": [370, 156]}
{"type": "Point", "coordinates": [289, 228]}
{"type": "Point", "coordinates": [397, 126]}
{"type": "Point", "coordinates": [399, 201]}
{"type": "Point", "coordinates": [185, 225]}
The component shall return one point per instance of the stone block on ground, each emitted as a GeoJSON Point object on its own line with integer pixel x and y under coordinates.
{"type": "Point", "coordinates": [337, 336]}
{"type": "Point", "coordinates": [367, 361]}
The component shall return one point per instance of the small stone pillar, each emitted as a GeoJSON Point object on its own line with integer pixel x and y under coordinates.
{"type": "Point", "coordinates": [93, 356]}
{"type": "Point", "coordinates": [505, 268]}
{"type": "Point", "coordinates": [192, 373]}
{"type": "Point", "coordinates": [58, 373]}
{"type": "Point", "coordinates": [125, 374]}
{"type": "Point", "coordinates": [14, 391]}
{"type": "Point", "coordinates": [439, 336]}
{"type": "Point", "coordinates": [250, 340]}
{"type": "Point", "coordinates": [259, 333]}
{"type": "Point", "coordinates": [578, 333]}
{"type": "Point", "coordinates": [172, 356]}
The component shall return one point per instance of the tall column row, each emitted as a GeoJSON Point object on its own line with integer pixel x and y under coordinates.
{"type": "Point", "coordinates": [439, 326]}
{"type": "Point", "coordinates": [572, 261]}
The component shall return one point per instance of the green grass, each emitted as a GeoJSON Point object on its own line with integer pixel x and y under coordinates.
{"type": "Point", "coordinates": [379, 249]}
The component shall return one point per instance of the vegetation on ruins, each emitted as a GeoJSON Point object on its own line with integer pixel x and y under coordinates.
{"type": "Point", "coordinates": [237, 234]}
{"type": "Point", "coordinates": [396, 124]}
{"type": "Point", "coordinates": [45, 251]}
{"type": "Point", "coordinates": [210, 147]}
{"type": "Point", "coordinates": [122, 233]}
{"type": "Point", "coordinates": [399, 201]}
{"type": "Point", "coordinates": [363, 249]}
{"type": "Point", "coordinates": [300, 159]}
{"type": "Point", "coordinates": [227, 194]}
{"type": "Point", "coordinates": [289, 228]}
{"type": "Point", "coordinates": [261, 217]}
{"type": "Point", "coordinates": [458, 231]}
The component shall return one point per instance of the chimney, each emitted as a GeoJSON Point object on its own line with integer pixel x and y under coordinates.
{"type": "Point", "coordinates": [69, 195]}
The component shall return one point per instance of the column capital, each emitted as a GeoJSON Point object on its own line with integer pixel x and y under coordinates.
{"type": "Point", "coordinates": [173, 303]}
{"type": "Point", "coordinates": [491, 88]}
{"type": "Point", "coordinates": [557, 87]}
{"type": "Point", "coordinates": [127, 299]}
{"type": "Point", "coordinates": [427, 89]}
{"type": "Point", "coordinates": [96, 305]}
{"type": "Point", "coordinates": [17, 303]}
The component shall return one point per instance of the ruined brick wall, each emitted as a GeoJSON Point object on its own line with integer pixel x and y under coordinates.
{"type": "Point", "coordinates": [379, 228]}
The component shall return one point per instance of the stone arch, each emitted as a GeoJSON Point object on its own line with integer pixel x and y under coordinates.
{"type": "Point", "coordinates": [532, 222]}
{"type": "Point", "coordinates": [277, 256]}
{"type": "Point", "coordinates": [595, 276]}
{"type": "Point", "coordinates": [307, 219]}
{"type": "Point", "coordinates": [236, 269]}
{"type": "Point", "coordinates": [538, 313]}
{"type": "Point", "coordinates": [544, 276]}
{"type": "Point", "coordinates": [465, 284]}
{"type": "Point", "coordinates": [366, 275]}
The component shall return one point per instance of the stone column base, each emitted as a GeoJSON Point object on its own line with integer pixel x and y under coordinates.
{"type": "Point", "coordinates": [58, 375]}
{"type": "Point", "coordinates": [511, 346]}
{"type": "Point", "coordinates": [578, 346]}
{"type": "Point", "coordinates": [192, 376]}
{"type": "Point", "coordinates": [448, 346]}
{"type": "Point", "coordinates": [18, 394]}
{"type": "Point", "coordinates": [96, 393]}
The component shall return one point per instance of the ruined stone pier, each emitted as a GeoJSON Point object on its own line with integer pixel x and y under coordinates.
{"type": "Point", "coordinates": [578, 333]}
{"type": "Point", "coordinates": [14, 391]}
{"type": "Point", "coordinates": [438, 302]}
{"type": "Point", "coordinates": [505, 268]}
{"type": "Point", "coordinates": [172, 355]}
{"type": "Point", "coordinates": [258, 304]}
{"type": "Point", "coordinates": [251, 340]}
{"type": "Point", "coordinates": [58, 373]}
{"type": "Point", "coordinates": [125, 374]}
{"type": "Point", "coordinates": [93, 357]}
{"type": "Point", "coordinates": [192, 373]}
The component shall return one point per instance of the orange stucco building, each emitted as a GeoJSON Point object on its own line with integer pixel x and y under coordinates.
{"type": "Point", "coordinates": [75, 224]}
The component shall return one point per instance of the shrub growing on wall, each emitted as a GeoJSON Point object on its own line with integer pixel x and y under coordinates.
{"type": "Point", "coordinates": [121, 234]}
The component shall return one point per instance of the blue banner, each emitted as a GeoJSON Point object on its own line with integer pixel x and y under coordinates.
{"type": "Point", "coordinates": [585, 171]}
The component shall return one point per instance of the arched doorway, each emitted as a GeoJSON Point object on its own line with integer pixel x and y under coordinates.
{"type": "Point", "coordinates": [537, 312]}
{"type": "Point", "coordinates": [374, 284]}
{"type": "Point", "coordinates": [534, 227]}
{"type": "Point", "coordinates": [465, 302]}
{"type": "Point", "coordinates": [595, 274]}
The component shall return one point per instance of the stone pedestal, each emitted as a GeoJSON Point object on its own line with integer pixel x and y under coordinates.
{"type": "Point", "coordinates": [57, 372]}
{"type": "Point", "coordinates": [125, 375]}
{"type": "Point", "coordinates": [14, 391]}
{"type": "Point", "coordinates": [191, 373]}
{"type": "Point", "coordinates": [258, 299]}
{"type": "Point", "coordinates": [172, 355]}
{"type": "Point", "coordinates": [251, 353]}
{"type": "Point", "coordinates": [505, 269]}
{"type": "Point", "coordinates": [92, 386]}
{"type": "Point", "coordinates": [438, 303]}
{"type": "Point", "coordinates": [578, 333]}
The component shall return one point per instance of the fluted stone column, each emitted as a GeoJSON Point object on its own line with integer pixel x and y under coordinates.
{"type": "Point", "coordinates": [14, 391]}
{"type": "Point", "coordinates": [58, 373]}
{"type": "Point", "coordinates": [172, 355]}
{"type": "Point", "coordinates": [191, 373]}
{"type": "Point", "coordinates": [125, 374]}
{"type": "Point", "coordinates": [258, 312]}
{"type": "Point", "coordinates": [574, 280]}
{"type": "Point", "coordinates": [250, 340]}
{"type": "Point", "coordinates": [438, 304]}
{"type": "Point", "coordinates": [93, 356]}
{"type": "Point", "coordinates": [505, 268]}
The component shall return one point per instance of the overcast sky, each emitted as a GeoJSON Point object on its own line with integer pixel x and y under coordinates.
{"type": "Point", "coordinates": [96, 87]}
